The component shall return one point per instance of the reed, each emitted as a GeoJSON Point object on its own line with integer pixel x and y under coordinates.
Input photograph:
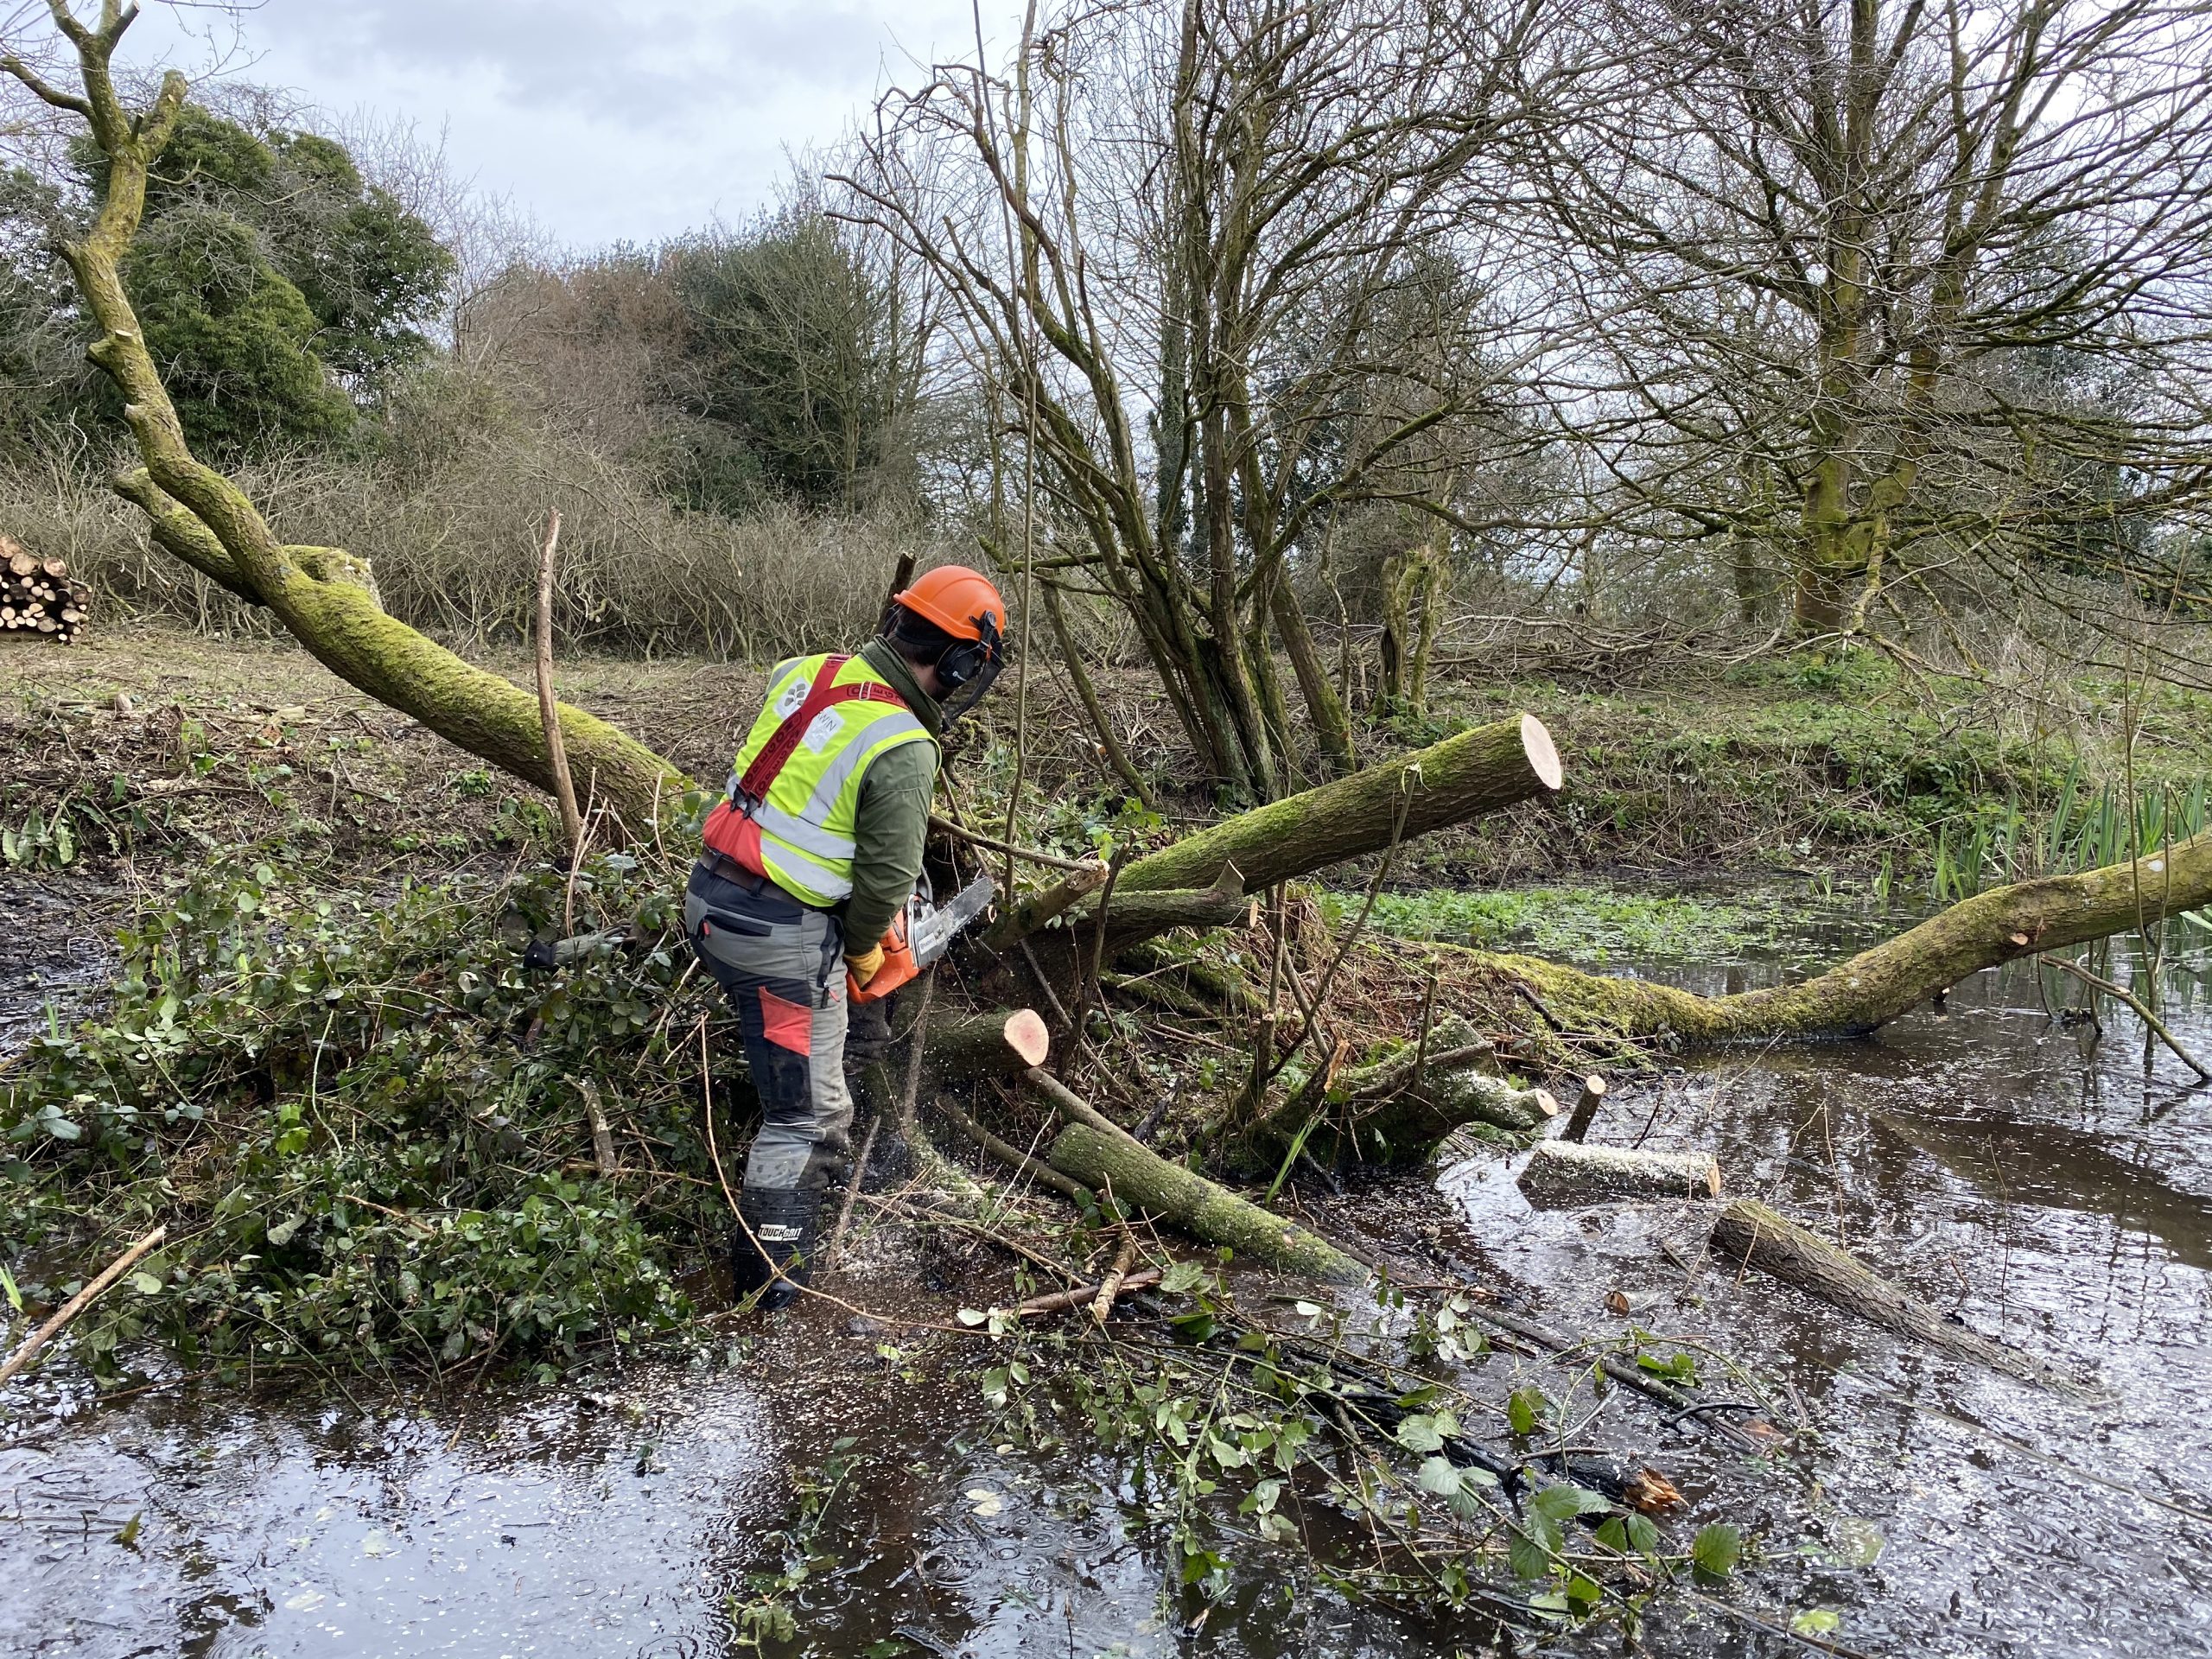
{"type": "Point", "coordinates": [2088, 826]}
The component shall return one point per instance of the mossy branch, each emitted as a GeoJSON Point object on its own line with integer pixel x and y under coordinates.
{"type": "Point", "coordinates": [1876, 986]}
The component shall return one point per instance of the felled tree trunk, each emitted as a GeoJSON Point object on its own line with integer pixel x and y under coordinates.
{"type": "Point", "coordinates": [1876, 986]}
{"type": "Point", "coordinates": [1566, 1174]}
{"type": "Point", "coordinates": [1107, 1158]}
{"type": "Point", "coordinates": [1399, 1109]}
{"type": "Point", "coordinates": [1749, 1233]}
{"type": "Point", "coordinates": [1481, 771]}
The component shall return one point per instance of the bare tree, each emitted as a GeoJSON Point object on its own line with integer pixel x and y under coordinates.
{"type": "Point", "coordinates": [1878, 289]}
{"type": "Point", "coordinates": [1167, 234]}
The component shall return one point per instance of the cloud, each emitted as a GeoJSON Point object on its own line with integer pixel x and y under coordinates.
{"type": "Point", "coordinates": [608, 119]}
{"type": "Point", "coordinates": [632, 63]}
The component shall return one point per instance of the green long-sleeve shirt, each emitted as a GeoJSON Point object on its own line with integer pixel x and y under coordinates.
{"type": "Point", "coordinates": [891, 819]}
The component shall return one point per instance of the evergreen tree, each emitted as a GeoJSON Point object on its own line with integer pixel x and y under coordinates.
{"type": "Point", "coordinates": [279, 291]}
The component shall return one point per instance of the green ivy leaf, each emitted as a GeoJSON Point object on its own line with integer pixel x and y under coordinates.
{"type": "Point", "coordinates": [1419, 1433]}
{"type": "Point", "coordinates": [1182, 1278]}
{"type": "Point", "coordinates": [1441, 1476]}
{"type": "Point", "coordinates": [1530, 1553]}
{"type": "Point", "coordinates": [1525, 1408]}
{"type": "Point", "coordinates": [1564, 1502]}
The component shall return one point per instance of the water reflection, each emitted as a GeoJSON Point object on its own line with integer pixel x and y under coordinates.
{"type": "Point", "coordinates": [2031, 1180]}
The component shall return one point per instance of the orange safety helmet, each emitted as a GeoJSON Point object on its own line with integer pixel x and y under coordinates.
{"type": "Point", "coordinates": [962, 604]}
{"type": "Point", "coordinates": [960, 600]}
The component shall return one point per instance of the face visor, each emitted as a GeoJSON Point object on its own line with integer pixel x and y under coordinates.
{"type": "Point", "coordinates": [969, 668]}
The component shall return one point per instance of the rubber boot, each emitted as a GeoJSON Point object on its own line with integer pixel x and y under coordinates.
{"type": "Point", "coordinates": [782, 1221]}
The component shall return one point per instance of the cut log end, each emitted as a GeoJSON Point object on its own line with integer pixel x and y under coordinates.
{"type": "Point", "coordinates": [1543, 754]}
{"type": "Point", "coordinates": [1027, 1036]}
{"type": "Point", "coordinates": [1586, 1109]}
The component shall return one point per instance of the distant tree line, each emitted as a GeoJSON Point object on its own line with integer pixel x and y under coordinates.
{"type": "Point", "coordinates": [1260, 326]}
{"type": "Point", "coordinates": [291, 304]}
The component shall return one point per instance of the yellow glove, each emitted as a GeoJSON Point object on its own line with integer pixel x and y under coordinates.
{"type": "Point", "coordinates": [863, 965]}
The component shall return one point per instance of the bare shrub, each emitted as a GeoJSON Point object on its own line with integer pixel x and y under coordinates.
{"type": "Point", "coordinates": [448, 511]}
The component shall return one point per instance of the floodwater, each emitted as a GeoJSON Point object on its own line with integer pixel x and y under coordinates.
{"type": "Point", "coordinates": [2006, 1167]}
{"type": "Point", "coordinates": [59, 952]}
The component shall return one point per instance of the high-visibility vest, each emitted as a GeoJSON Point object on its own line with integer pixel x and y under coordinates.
{"type": "Point", "coordinates": [795, 791]}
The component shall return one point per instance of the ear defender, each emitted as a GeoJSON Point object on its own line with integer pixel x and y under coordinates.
{"type": "Point", "coordinates": [972, 663]}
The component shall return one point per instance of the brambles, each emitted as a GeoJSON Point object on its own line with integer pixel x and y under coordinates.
{"type": "Point", "coordinates": [1250, 1435]}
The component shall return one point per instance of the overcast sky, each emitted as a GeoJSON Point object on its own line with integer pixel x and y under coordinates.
{"type": "Point", "coordinates": [606, 120]}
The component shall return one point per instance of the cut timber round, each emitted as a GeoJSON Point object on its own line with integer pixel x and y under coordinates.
{"type": "Point", "coordinates": [1586, 1109]}
{"type": "Point", "coordinates": [1563, 1174]}
{"type": "Point", "coordinates": [1543, 754]}
{"type": "Point", "coordinates": [996, 1045]}
{"type": "Point", "coordinates": [1025, 1035]}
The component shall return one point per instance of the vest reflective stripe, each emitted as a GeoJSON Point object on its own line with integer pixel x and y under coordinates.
{"type": "Point", "coordinates": [807, 822]}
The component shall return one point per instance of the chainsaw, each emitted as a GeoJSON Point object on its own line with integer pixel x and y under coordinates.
{"type": "Point", "coordinates": [919, 934]}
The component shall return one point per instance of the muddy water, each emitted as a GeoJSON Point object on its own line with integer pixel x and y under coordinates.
{"type": "Point", "coordinates": [2023, 1174]}
{"type": "Point", "coordinates": [2037, 1183]}
{"type": "Point", "coordinates": [59, 951]}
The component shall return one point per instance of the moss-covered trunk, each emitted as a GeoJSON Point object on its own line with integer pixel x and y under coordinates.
{"type": "Point", "coordinates": [1482, 770]}
{"type": "Point", "coordinates": [1147, 1183]}
{"type": "Point", "coordinates": [1878, 984]}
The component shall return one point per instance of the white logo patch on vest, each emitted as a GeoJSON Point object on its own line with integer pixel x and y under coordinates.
{"type": "Point", "coordinates": [794, 694]}
{"type": "Point", "coordinates": [823, 731]}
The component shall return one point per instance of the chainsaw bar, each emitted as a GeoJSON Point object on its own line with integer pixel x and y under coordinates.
{"type": "Point", "coordinates": [933, 931]}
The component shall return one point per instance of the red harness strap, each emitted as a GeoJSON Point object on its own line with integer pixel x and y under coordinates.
{"type": "Point", "coordinates": [776, 753]}
{"type": "Point", "coordinates": [730, 829]}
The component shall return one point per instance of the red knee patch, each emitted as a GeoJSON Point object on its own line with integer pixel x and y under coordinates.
{"type": "Point", "coordinates": [787, 1025]}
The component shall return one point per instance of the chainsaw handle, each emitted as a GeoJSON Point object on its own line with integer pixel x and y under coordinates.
{"type": "Point", "coordinates": [898, 965]}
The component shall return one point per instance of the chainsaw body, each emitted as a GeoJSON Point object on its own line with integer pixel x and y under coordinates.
{"type": "Point", "coordinates": [918, 934]}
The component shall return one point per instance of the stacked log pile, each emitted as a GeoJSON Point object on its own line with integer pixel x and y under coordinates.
{"type": "Point", "coordinates": [37, 597]}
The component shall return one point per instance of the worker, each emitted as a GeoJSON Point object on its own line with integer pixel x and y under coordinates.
{"type": "Point", "coordinates": [816, 849]}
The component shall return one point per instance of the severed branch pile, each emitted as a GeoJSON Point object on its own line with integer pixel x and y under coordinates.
{"type": "Point", "coordinates": [37, 596]}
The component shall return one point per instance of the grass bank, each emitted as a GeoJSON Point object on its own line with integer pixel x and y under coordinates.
{"type": "Point", "coordinates": [145, 743]}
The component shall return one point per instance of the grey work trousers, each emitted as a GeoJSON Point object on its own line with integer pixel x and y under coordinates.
{"type": "Point", "coordinates": [782, 964]}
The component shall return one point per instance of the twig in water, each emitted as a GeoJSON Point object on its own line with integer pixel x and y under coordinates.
{"type": "Point", "coordinates": [549, 711]}
{"type": "Point", "coordinates": [1060, 1300]}
{"type": "Point", "coordinates": [851, 1193]}
{"type": "Point", "coordinates": [2151, 1020]}
{"type": "Point", "coordinates": [908, 1126]}
{"type": "Point", "coordinates": [77, 1304]}
{"type": "Point", "coordinates": [1110, 1286]}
